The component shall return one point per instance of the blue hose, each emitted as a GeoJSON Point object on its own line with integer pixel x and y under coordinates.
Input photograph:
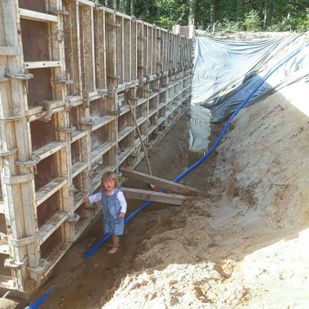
{"type": "Point", "coordinates": [39, 302]}
{"type": "Point", "coordinates": [105, 238]}
{"type": "Point", "coordinates": [92, 250]}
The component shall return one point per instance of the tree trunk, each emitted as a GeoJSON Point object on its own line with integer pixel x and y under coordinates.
{"type": "Point", "coordinates": [268, 12]}
{"type": "Point", "coordinates": [265, 15]}
{"type": "Point", "coordinates": [122, 6]}
{"type": "Point", "coordinates": [132, 4]}
{"type": "Point", "coordinates": [191, 14]}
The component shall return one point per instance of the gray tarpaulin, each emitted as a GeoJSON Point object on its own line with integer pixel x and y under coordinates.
{"type": "Point", "coordinates": [226, 71]}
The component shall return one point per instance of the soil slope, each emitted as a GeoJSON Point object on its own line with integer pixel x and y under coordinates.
{"type": "Point", "coordinates": [246, 245]}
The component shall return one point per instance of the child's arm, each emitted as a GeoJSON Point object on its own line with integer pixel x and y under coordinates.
{"type": "Point", "coordinates": [123, 204]}
{"type": "Point", "coordinates": [92, 198]}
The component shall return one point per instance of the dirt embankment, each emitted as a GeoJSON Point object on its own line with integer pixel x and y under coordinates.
{"type": "Point", "coordinates": [245, 245]}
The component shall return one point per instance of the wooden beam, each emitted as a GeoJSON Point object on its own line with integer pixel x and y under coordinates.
{"type": "Point", "coordinates": [160, 197]}
{"type": "Point", "coordinates": [160, 182]}
{"type": "Point", "coordinates": [38, 16]}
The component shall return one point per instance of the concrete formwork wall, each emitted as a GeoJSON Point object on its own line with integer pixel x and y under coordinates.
{"type": "Point", "coordinates": [67, 71]}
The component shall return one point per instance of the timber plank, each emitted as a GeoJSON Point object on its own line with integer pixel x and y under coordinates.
{"type": "Point", "coordinates": [160, 197]}
{"type": "Point", "coordinates": [162, 183]}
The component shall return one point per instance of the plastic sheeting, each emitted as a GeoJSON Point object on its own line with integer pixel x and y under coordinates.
{"type": "Point", "coordinates": [226, 71]}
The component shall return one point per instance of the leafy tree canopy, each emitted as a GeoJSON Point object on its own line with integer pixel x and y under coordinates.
{"type": "Point", "coordinates": [229, 15]}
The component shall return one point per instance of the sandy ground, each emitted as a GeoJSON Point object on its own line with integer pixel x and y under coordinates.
{"type": "Point", "coordinates": [244, 246]}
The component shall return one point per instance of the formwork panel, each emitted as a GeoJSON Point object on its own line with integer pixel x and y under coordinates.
{"type": "Point", "coordinates": [127, 50]}
{"type": "Point", "coordinates": [3, 227]}
{"type": "Point", "coordinates": [110, 22]}
{"type": "Point", "coordinates": [47, 209]}
{"type": "Point", "coordinates": [71, 41]}
{"type": "Point", "coordinates": [100, 52]}
{"type": "Point", "coordinates": [88, 63]}
{"type": "Point", "coordinates": [37, 95]}
{"type": "Point", "coordinates": [34, 5]}
{"type": "Point", "coordinates": [4, 271]}
{"type": "Point", "coordinates": [86, 47]}
{"type": "Point", "coordinates": [46, 171]}
{"type": "Point", "coordinates": [51, 243]}
{"type": "Point", "coordinates": [133, 60]}
{"type": "Point", "coordinates": [119, 49]}
{"type": "Point", "coordinates": [35, 36]}
{"type": "Point", "coordinates": [42, 133]}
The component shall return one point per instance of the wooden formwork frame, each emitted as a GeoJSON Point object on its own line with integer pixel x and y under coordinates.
{"type": "Point", "coordinates": [74, 88]}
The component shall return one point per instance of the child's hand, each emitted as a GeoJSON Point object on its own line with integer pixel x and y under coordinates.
{"type": "Point", "coordinates": [122, 215]}
{"type": "Point", "coordinates": [85, 199]}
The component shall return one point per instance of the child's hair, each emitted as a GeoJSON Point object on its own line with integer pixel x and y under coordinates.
{"type": "Point", "coordinates": [110, 176]}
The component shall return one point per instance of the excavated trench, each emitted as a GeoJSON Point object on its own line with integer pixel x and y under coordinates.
{"type": "Point", "coordinates": [244, 245]}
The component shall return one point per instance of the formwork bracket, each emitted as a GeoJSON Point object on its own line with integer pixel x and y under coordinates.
{"type": "Point", "coordinates": [73, 218]}
{"type": "Point", "coordinates": [103, 93]}
{"type": "Point", "coordinates": [68, 130]}
{"type": "Point", "coordinates": [22, 241]}
{"type": "Point", "coordinates": [86, 102]}
{"type": "Point", "coordinates": [41, 268]}
{"type": "Point", "coordinates": [29, 163]}
{"type": "Point", "coordinates": [63, 81]}
{"type": "Point", "coordinates": [21, 76]}
{"type": "Point", "coordinates": [59, 34]}
{"type": "Point", "coordinates": [48, 106]}
{"type": "Point", "coordinates": [6, 153]}
{"type": "Point", "coordinates": [114, 25]}
{"type": "Point", "coordinates": [59, 12]}
{"type": "Point", "coordinates": [10, 263]}
{"type": "Point", "coordinates": [17, 179]}
{"type": "Point", "coordinates": [88, 122]}
{"type": "Point", "coordinates": [114, 77]}
{"type": "Point", "coordinates": [73, 189]}
{"type": "Point", "coordinates": [4, 79]}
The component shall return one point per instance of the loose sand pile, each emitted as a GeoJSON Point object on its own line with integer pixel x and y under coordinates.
{"type": "Point", "coordinates": [247, 244]}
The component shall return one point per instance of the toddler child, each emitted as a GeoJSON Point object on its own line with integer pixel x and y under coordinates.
{"type": "Point", "coordinates": [114, 207]}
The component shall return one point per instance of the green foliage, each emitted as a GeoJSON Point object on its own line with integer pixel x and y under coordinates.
{"type": "Point", "coordinates": [229, 26]}
{"type": "Point", "coordinates": [172, 12]}
{"type": "Point", "coordinates": [221, 15]}
{"type": "Point", "coordinates": [252, 21]}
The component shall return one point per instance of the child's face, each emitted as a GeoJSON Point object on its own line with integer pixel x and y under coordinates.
{"type": "Point", "coordinates": [109, 184]}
